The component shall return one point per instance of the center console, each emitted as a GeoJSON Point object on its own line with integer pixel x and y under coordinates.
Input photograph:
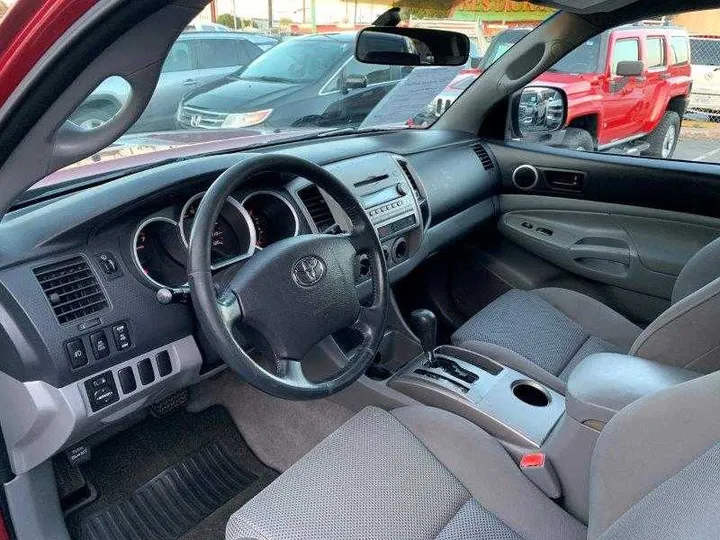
{"type": "Point", "coordinates": [500, 400]}
{"type": "Point", "coordinates": [524, 415]}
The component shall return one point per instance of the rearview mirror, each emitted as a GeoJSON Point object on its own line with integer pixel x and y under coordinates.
{"type": "Point", "coordinates": [630, 68]}
{"type": "Point", "coordinates": [539, 109]}
{"type": "Point", "coordinates": [411, 46]}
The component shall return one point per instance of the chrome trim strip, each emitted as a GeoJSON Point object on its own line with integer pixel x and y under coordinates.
{"type": "Point", "coordinates": [135, 257]}
{"type": "Point", "coordinates": [277, 196]}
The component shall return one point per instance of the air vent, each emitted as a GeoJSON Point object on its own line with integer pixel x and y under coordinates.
{"type": "Point", "coordinates": [485, 158]}
{"type": "Point", "coordinates": [71, 288]}
{"type": "Point", "coordinates": [317, 207]}
{"type": "Point", "coordinates": [406, 169]}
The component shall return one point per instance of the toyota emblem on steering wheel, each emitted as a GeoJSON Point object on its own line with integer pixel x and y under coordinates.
{"type": "Point", "coordinates": [308, 271]}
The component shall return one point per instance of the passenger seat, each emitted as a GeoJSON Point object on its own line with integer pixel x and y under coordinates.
{"type": "Point", "coordinates": [545, 333]}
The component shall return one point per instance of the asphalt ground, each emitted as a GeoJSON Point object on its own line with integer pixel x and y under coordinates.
{"type": "Point", "coordinates": [699, 141]}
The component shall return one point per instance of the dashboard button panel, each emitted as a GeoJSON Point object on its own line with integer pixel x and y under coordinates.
{"type": "Point", "coordinates": [101, 391]}
{"type": "Point", "coordinates": [76, 352]}
{"type": "Point", "coordinates": [99, 344]}
{"type": "Point", "coordinates": [145, 370]}
{"type": "Point", "coordinates": [127, 380]}
{"type": "Point", "coordinates": [164, 365]}
{"type": "Point", "coordinates": [121, 335]}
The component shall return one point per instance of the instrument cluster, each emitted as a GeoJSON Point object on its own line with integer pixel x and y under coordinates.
{"type": "Point", "coordinates": [261, 218]}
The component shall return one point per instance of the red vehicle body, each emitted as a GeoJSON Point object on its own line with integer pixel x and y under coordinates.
{"type": "Point", "coordinates": [615, 111]}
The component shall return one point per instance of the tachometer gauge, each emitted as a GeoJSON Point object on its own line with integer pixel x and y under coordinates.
{"type": "Point", "coordinates": [233, 236]}
{"type": "Point", "coordinates": [157, 252]}
{"type": "Point", "coordinates": [273, 217]}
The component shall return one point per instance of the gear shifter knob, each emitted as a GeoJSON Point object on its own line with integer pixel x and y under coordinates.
{"type": "Point", "coordinates": [424, 324]}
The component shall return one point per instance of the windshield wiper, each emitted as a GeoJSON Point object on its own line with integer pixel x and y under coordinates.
{"type": "Point", "coordinates": [270, 78]}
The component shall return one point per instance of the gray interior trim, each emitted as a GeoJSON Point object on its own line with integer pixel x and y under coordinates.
{"type": "Point", "coordinates": [514, 202]}
{"type": "Point", "coordinates": [602, 384]}
{"type": "Point", "coordinates": [649, 441]}
{"type": "Point", "coordinates": [34, 505]}
{"type": "Point", "coordinates": [38, 420]}
{"type": "Point", "coordinates": [686, 334]}
{"type": "Point", "coordinates": [700, 270]}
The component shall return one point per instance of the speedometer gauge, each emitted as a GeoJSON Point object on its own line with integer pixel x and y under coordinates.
{"type": "Point", "coordinates": [233, 236]}
{"type": "Point", "coordinates": [273, 216]}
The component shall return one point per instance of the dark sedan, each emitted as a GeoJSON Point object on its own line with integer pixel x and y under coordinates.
{"type": "Point", "coordinates": [308, 81]}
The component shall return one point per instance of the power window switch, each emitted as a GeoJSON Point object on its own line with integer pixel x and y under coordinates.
{"type": "Point", "coordinates": [76, 351]}
{"type": "Point", "coordinates": [127, 380]}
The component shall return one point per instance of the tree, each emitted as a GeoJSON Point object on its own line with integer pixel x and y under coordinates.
{"type": "Point", "coordinates": [226, 19]}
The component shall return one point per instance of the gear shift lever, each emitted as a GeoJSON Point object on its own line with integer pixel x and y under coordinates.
{"type": "Point", "coordinates": [424, 324]}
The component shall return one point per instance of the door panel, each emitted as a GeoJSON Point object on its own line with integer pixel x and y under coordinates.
{"type": "Point", "coordinates": [637, 253]}
{"type": "Point", "coordinates": [609, 222]}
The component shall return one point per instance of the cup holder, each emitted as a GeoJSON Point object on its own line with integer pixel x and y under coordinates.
{"type": "Point", "coordinates": [531, 393]}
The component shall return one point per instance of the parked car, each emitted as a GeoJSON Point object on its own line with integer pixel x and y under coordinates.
{"type": "Point", "coordinates": [310, 80]}
{"type": "Point", "coordinates": [196, 58]}
{"type": "Point", "coordinates": [705, 54]}
{"type": "Point", "coordinates": [263, 41]}
{"type": "Point", "coordinates": [636, 112]}
{"type": "Point", "coordinates": [206, 27]}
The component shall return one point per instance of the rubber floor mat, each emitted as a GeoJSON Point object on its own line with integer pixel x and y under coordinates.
{"type": "Point", "coordinates": [174, 501]}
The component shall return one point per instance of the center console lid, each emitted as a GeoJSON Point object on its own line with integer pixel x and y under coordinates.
{"type": "Point", "coordinates": [604, 383]}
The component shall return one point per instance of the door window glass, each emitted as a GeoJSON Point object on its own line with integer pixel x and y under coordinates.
{"type": "Point", "coordinates": [625, 50]}
{"type": "Point", "coordinates": [178, 58]}
{"type": "Point", "coordinates": [680, 51]}
{"type": "Point", "coordinates": [217, 53]}
{"type": "Point", "coordinates": [655, 52]}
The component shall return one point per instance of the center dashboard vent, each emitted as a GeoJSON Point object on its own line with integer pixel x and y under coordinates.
{"type": "Point", "coordinates": [483, 155]}
{"type": "Point", "coordinates": [411, 178]}
{"type": "Point", "coordinates": [71, 288]}
{"type": "Point", "coordinates": [317, 207]}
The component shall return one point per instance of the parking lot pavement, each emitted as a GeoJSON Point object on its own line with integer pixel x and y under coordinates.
{"type": "Point", "coordinates": [699, 141]}
{"type": "Point", "coordinates": [698, 150]}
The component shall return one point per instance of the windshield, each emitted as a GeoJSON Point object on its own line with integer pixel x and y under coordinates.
{"type": "Point", "coordinates": [298, 61]}
{"type": "Point", "coordinates": [235, 80]}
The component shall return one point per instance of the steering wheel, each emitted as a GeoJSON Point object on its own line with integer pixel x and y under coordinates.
{"type": "Point", "coordinates": [295, 292]}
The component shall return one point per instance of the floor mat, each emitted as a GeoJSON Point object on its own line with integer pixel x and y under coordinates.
{"type": "Point", "coordinates": [179, 477]}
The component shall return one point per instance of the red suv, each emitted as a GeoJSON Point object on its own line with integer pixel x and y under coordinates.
{"type": "Point", "coordinates": [636, 109]}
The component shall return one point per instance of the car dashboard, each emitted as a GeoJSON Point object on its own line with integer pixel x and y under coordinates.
{"type": "Point", "coordinates": [87, 339]}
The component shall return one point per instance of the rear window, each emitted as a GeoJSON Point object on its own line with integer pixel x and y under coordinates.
{"type": "Point", "coordinates": [217, 53]}
{"type": "Point", "coordinates": [655, 52]}
{"type": "Point", "coordinates": [705, 52]}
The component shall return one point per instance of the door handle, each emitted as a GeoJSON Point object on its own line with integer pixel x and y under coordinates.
{"type": "Point", "coordinates": [189, 82]}
{"type": "Point", "coordinates": [606, 253]}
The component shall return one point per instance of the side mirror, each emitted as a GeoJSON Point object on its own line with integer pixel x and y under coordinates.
{"type": "Point", "coordinates": [630, 68]}
{"type": "Point", "coordinates": [391, 45]}
{"type": "Point", "coordinates": [538, 110]}
{"type": "Point", "coordinates": [353, 82]}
